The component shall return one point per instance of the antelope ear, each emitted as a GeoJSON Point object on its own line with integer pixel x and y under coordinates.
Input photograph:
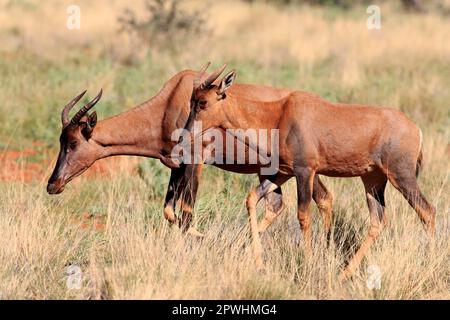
{"type": "Point", "coordinates": [90, 124]}
{"type": "Point", "coordinates": [226, 82]}
{"type": "Point", "coordinates": [92, 119]}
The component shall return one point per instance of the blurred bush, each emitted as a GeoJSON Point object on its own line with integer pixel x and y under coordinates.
{"type": "Point", "coordinates": [167, 25]}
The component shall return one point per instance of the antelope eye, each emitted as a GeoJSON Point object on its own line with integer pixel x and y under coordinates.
{"type": "Point", "coordinates": [73, 144]}
{"type": "Point", "coordinates": [202, 103]}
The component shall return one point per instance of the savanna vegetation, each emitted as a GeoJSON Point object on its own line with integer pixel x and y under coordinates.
{"type": "Point", "coordinates": [109, 221]}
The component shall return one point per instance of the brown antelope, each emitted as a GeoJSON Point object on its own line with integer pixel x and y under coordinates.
{"type": "Point", "coordinates": [146, 131]}
{"type": "Point", "coordinates": [319, 137]}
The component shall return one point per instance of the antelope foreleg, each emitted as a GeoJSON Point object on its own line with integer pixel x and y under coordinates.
{"type": "Point", "coordinates": [273, 208]}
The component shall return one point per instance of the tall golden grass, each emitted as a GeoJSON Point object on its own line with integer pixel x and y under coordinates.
{"type": "Point", "coordinates": [113, 228]}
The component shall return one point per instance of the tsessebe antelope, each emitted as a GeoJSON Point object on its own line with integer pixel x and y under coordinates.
{"type": "Point", "coordinates": [319, 137]}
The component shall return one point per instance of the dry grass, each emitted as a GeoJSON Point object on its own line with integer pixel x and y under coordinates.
{"type": "Point", "coordinates": [136, 254]}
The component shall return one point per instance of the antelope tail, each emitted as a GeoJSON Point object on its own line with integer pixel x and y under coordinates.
{"type": "Point", "coordinates": [420, 157]}
{"type": "Point", "coordinates": [419, 164]}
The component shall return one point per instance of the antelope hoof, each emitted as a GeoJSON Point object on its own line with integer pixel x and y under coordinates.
{"type": "Point", "coordinates": [342, 277]}
{"type": "Point", "coordinates": [169, 214]}
{"type": "Point", "coordinates": [345, 275]}
{"type": "Point", "coordinates": [259, 262]}
{"type": "Point", "coordinates": [193, 232]}
{"type": "Point", "coordinates": [307, 250]}
{"type": "Point", "coordinates": [263, 225]}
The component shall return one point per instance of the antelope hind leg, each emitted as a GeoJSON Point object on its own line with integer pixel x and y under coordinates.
{"type": "Point", "coordinates": [324, 200]}
{"type": "Point", "coordinates": [374, 185]}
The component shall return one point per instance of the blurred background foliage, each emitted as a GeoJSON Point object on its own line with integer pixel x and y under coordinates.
{"type": "Point", "coordinates": [321, 46]}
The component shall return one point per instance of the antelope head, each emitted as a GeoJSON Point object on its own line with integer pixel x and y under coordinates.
{"type": "Point", "coordinates": [77, 150]}
{"type": "Point", "coordinates": [207, 96]}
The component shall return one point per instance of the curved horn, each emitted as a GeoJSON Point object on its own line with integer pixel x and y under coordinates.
{"type": "Point", "coordinates": [200, 74]}
{"type": "Point", "coordinates": [208, 82]}
{"type": "Point", "coordinates": [66, 110]}
{"type": "Point", "coordinates": [77, 117]}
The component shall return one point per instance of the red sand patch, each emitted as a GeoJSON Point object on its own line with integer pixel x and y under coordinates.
{"type": "Point", "coordinates": [17, 166]}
